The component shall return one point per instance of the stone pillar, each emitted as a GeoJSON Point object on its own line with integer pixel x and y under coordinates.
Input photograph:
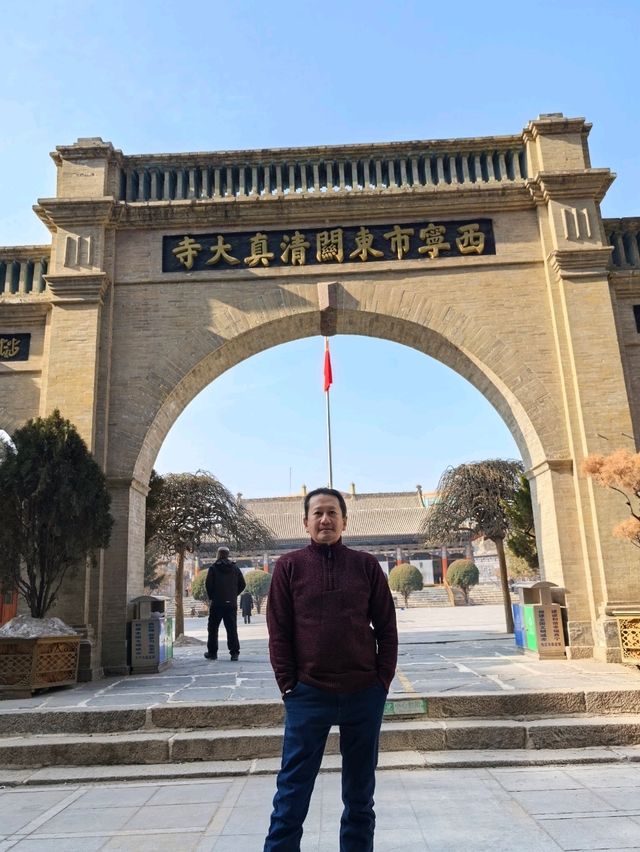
{"type": "Point", "coordinates": [123, 577]}
{"type": "Point", "coordinates": [579, 550]}
{"type": "Point", "coordinates": [77, 346]}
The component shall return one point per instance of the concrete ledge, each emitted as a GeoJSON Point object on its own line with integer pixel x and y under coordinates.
{"type": "Point", "coordinates": [613, 702]}
{"type": "Point", "coordinates": [219, 716]}
{"type": "Point", "coordinates": [269, 766]}
{"type": "Point", "coordinates": [230, 715]}
{"type": "Point", "coordinates": [510, 705]}
{"type": "Point", "coordinates": [84, 751]}
{"type": "Point", "coordinates": [230, 745]}
{"type": "Point", "coordinates": [206, 745]}
{"type": "Point", "coordinates": [43, 721]}
{"type": "Point", "coordinates": [415, 736]}
{"type": "Point", "coordinates": [583, 733]}
{"type": "Point", "coordinates": [490, 735]}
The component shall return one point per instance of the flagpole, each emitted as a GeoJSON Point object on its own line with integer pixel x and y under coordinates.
{"type": "Point", "coordinates": [329, 439]}
{"type": "Point", "coordinates": [328, 378]}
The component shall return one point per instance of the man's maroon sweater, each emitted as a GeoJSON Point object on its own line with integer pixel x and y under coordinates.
{"type": "Point", "coordinates": [331, 619]}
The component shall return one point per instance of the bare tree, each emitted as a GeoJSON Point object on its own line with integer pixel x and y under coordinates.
{"type": "Point", "coordinates": [472, 498]}
{"type": "Point", "coordinates": [620, 471]}
{"type": "Point", "coordinates": [189, 506]}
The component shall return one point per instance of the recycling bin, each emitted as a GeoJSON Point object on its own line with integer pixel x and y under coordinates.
{"type": "Point", "coordinates": [539, 620]}
{"type": "Point", "coordinates": [150, 635]}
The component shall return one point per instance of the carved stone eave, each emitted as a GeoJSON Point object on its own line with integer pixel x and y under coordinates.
{"type": "Point", "coordinates": [625, 282]}
{"type": "Point", "coordinates": [9, 253]}
{"type": "Point", "coordinates": [16, 309]}
{"type": "Point", "coordinates": [368, 150]}
{"type": "Point", "coordinates": [400, 205]}
{"type": "Point", "coordinates": [583, 264]}
{"type": "Point", "coordinates": [590, 183]}
{"type": "Point", "coordinates": [554, 126]}
{"type": "Point", "coordinates": [77, 288]}
{"type": "Point", "coordinates": [70, 212]}
{"type": "Point", "coordinates": [119, 482]}
{"type": "Point", "coordinates": [627, 223]}
{"type": "Point", "coordinates": [550, 465]}
{"type": "Point", "coordinates": [84, 149]}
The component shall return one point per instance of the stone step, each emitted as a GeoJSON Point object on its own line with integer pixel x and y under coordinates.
{"type": "Point", "coordinates": [222, 715]}
{"type": "Point", "coordinates": [464, 759]}
{"type": "Point", "coordinates": [425, 735]}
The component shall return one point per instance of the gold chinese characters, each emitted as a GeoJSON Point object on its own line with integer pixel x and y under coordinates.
{"type": "Point", "coordinates": [9, 348]}
{"type": "Point", "coordinates": [431, 240]}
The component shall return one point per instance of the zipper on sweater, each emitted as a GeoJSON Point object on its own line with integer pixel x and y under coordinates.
{"type": "Point", "coordinates": [329, 563]}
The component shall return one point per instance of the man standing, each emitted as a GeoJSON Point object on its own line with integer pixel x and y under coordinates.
{"type": "Point", "coordinates": [224, 583]}
{"type": "Point", "coordinates": [333, 644]}
{"type": "Point", "coordinates": [246, 606]}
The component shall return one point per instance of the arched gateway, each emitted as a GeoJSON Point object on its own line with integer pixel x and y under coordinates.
{"type": "Point", "coordinates": [488, 254]}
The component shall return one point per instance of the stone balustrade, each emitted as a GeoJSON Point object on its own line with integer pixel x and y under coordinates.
{"type": "Point", "coordinates": [22, 270]}
{"type": "Point", "coordinates": [341, 169]}
{"type": "Point", "coordinates": [624, 236]}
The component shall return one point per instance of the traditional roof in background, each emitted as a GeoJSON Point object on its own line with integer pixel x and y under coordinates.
{"type": "Point", "coordinates": [381, 518]}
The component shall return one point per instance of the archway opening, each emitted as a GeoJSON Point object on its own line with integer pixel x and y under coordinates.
{"type": "Point", "coordinates": [399, 418]}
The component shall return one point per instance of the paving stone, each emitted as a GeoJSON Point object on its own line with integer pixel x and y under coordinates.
{"type": "Point", "coordinates": [597, 832]}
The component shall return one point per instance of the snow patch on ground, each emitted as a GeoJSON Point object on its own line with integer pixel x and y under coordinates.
{"type": "Point", "coordinates": [27, 627]}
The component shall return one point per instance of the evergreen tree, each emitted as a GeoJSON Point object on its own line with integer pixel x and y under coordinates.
{"type": "Point", "coordinates": [522, 535]}
{"type": "Point", "coordinates": [55, 509]}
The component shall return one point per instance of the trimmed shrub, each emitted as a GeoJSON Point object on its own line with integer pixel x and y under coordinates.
{"type": "Point", "coordinates": [463, 573]}
{"type": "Point", "coordinates": [405, 579]}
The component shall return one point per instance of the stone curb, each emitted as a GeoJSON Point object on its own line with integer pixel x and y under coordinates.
{"type": "Point", "coordinates": [267, 712]}
{"type": "Point", "coordinates": [403, 760]}
{"type": "Point", "coordinates": [427, 735]}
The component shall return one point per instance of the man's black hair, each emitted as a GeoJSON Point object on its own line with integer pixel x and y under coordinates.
{"type": "Point", "coordinates": [330, 492]}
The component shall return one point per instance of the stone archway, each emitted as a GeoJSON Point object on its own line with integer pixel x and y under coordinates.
{"type": "Point", "coordinates": [487, 254]}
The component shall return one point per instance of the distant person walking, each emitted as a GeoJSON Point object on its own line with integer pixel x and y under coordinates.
{"type": "Point", "coordinates": [246, 606]}
{"type": "Point", "coordinates": [224, 583]}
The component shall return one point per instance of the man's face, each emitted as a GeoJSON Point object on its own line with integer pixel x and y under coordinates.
{"type": "Point", "coordinates": [325, 522]}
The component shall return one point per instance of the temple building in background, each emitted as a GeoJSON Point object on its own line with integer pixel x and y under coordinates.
{"type": "Point", "coordinates": [386, 524]}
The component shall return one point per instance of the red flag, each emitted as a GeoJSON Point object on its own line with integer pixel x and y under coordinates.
{"type": "Point", "coordinates": [328, 375]}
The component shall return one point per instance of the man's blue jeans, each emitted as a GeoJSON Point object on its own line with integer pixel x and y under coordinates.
{"type": "Point", "coordinates": [310, 712]}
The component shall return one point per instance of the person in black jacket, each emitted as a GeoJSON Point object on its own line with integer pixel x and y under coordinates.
{"type": "Point", "coordinates": [224, 583]}
{"type": "Point", "coordinates": [246, 606]}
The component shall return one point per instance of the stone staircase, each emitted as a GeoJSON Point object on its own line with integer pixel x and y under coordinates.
{"type": "Point", "coordinates": [206, 739]}
{"type": "Point", "coordinates": [435, 596]}
{"type": "Point", "coordinates": [188, 605]}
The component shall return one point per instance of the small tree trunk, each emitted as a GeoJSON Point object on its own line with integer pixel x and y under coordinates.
{"type": "Point", "coordinates": [504, 584]}
{"type": "Point", "coordinates": [179, 626]}
{"type": "Point", "coordinates": [465, 593]}
{"type": "Point", "coordinates": [406, 599]}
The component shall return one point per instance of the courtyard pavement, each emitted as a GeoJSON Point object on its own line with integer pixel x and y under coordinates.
{"type": "Point", "coordinates": [446, 810]}
{"type": "Point", "coordinates": [578, 807]}
{"type": "Point", "coordinates": [442, 650]}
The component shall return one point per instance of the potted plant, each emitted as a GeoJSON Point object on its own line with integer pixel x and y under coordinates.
{"type": "Point", "coordinates": [55, 514]}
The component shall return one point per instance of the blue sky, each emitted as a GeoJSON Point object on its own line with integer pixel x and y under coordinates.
{"type": "Point", "coordinates": [199, 76]}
